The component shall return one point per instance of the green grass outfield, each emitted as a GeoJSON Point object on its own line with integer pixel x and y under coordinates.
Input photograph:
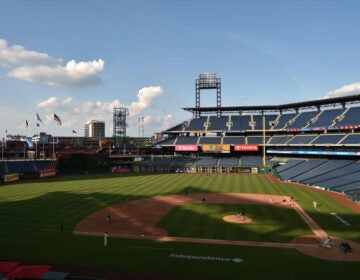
{"type": "Point", "coordinates": [31, 214]}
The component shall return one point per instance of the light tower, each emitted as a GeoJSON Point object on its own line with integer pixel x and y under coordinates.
{"type": "Point", "coordinates": [208, 81]}
{"type": "Point", "coordinates": [119, 122]}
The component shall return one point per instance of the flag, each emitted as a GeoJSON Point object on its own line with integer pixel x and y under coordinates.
{"type": "Point", "coordinates": [38, 118]}
{"type": "Point", "coordinates": [27, 124]}
{"type": "Point", "coordinates": [37, 124]}
{"type": "Point", "coordinates": [74, 131]}
{"type": "Point", "coordinates": [57, 119]}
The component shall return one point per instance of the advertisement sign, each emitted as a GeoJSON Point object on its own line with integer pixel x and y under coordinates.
{"type": "Point", "coordinates": [120, 170]}
{"type": "Point", "coordinates": [216, 148]}
{"type": "Point", "coordinates": [48, 172]}
{"type": "Point", "coordinates": [11, 177]}
{"type": "Point", "coordinates": [246, 147]}
{"type": "Point", "coordinates": [186, 148]}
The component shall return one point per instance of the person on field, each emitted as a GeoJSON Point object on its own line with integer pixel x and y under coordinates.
{"type": "Point", "coordinates": [315, 204]}
{"type": "Point", "coordinates": [326, 243]}
{"type": "Point", "coordinates": [108, 218]}
{"type": "Point", "coordinates": [271, 200]}
{"type": "Point", "coordinates": [105, 238]}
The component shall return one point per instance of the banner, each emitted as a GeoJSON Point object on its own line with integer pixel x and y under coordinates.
{"type": "Point", "coordinates": [186, 148]}
{"type": "Point", "coordinates": [216, 148]}
{"type": "Point", "coordinates": [246, 147]}
{"type": "Point", "coordinates": [11, 177]}
{"type": "Point", "coordinates": [48, 172]}
{"type": "Point", "coordinates": [120, 170]}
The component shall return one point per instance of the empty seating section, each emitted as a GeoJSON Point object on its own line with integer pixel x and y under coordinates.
{"type": "Point", "coordinates": [283, 120]}
{"type": "Point", "coordinates": [206, 161]}
{"type": "Point", "coordinates": [197, 124]}
{"type": "Point", "coordinates": [289, 164]}
{"type": "Point", "coordinates": [182, 161]}
{"type": "Point", "coordinates": [258, 121]}
{"type": "Point", "coordinates": [250, 161]}
{"type": "Point", "coordinates": [240, 123]}
{"type": "Point", "coordinates": [324, 139]}
{"type": "Point", "coordinates": [302, 139]}
{"type": "Point", "coordinates": [280, 139]}
{"type": "Point", "coordinates": [326, 118]}
{"type": "Point", "coordinates": [293, 172]}
{"type": "Point", "coordinates": [351, 117]}
{"type": "Point", "coordinates": [170, 141]}
{"type": "Point", "coordinates": [232, 161]}
{"type": "Point", "coordinates": [354, 185]}
{"type": "Point", "coordinates": [218, 123]}
{"type": "Point", "coordinates": [209, 140]}
{"type": "Point", "coordinates": [303, 119]}
{"type": "Point", "coordinates": [234, 140]}
{"type": "Point", "coordinates": [179, 127]}
{"type": "Point", "coordinates": [342, 180]}
{"type": "Point", "coordinates": [187, 140]}
{"type": "Point", "coordinates": [324, 171]}
{"type": "Point", "coordinates": [256, 139]}
{"type": "Point", "coordinates": [351, 139]}
{"type": "Point", "coordinates": [339, 171]}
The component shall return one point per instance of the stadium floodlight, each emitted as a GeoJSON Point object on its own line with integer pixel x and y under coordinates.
{"type": "Point", "coordinates": [208, 81]}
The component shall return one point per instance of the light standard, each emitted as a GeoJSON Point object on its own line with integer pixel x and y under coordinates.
{"type": "Point", "coordinates": [2, 149]}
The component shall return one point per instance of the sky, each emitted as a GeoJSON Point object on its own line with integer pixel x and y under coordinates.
{"type": "Point", "coordinates": [80, 59]}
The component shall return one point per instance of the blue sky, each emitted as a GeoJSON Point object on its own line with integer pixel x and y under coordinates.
{"type": "Point", "coordinates": [79, 59]}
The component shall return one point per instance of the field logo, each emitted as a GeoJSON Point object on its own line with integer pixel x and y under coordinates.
{"type": "Point", "coordinates": [206, 258]}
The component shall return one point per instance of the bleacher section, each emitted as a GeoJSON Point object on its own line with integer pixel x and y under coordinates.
{"type": "Point", "coordinates": [186, 140]}
{"type": "Point", "coordinates": [302, 119]}
{"type": "Point", "coordinates": [234, 140]}
{"type": "Point", "coordinates": [209, 140]}
{"type": "Point", "coordinates": [284, 120]}
{"type": "Point", "coordinates": [326, 118]}
{"type": "Point", "coordinates": [257, 139]}
{"type": "Point", "coordinates": [258, 121]}
{"type": "Point", "coordinates": [327, 139]}
{"type": "Point", "coordinates": [353, 138]}
{"type": "Point", "coordinates": [197, 124]}
{"type": "Point", "coordinates": [218, 123]}
{"type": "Point", "coordinates": [240, 123]}
{"type": "Point", "coordinates": [301, 139]}
{"type": "Point", "coordinates": [351, 117]}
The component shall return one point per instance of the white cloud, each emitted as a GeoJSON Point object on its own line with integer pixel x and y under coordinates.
{"type": "Point", "coordinates": [145, 97]}
{"type": "Point", "coordinates": [74, 114]}
{"type": "Point", "coordinates": [73, 74]}
{"type": "Point", "coordinates": [350, 89]}
{"type": "Point", "coordinates": [49, 103]}
{"type": "Point", "coordinates": [33, 66]}
{"type": "Point", "coordinates": [18, 55]}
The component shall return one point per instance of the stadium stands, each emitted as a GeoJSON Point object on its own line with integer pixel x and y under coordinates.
{"type": "Point", "coordinates": [197, 124]}
{"type": "Point", "coordinates": [326, 118]}
{"type": "Point", "coordinates": [302, 119]}
{"type": "Point", "coordinates": [218, 123]}
{"type": "Point", "coordinates": [240, 123]}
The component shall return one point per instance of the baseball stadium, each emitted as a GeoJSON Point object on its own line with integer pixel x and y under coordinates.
{"type": "Point", "coordinates": [234, 192]}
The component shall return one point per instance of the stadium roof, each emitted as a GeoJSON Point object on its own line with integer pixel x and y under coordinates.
{"type": "Point", "coordinates": [337, 101]}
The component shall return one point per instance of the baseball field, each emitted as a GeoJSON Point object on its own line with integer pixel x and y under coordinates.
{"type": "Point", "coordinates": [179, 226]}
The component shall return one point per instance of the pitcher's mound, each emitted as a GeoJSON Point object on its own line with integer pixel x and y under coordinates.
{"type": "Point", "coordinates": [237, 219]}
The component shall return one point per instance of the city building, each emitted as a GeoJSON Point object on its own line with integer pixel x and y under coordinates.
{"type": "Point", "coordinates": [95, 129]}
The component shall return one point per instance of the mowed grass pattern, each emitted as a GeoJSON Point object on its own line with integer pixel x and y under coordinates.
{"type": "Point", "coordinates": [270, 224]}
{"type": "Point", "coordinates": [31, 213]}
